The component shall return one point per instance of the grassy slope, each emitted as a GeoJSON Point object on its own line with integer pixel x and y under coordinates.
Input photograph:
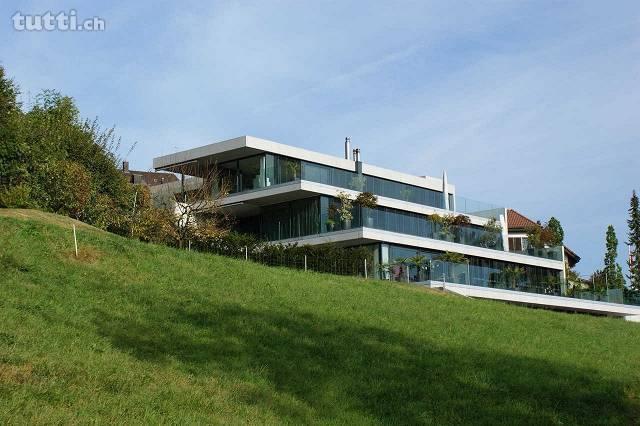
{"type": "Point", "coordinates": [141, 333]}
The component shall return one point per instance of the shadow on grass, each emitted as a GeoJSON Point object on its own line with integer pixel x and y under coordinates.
{"type": "Point", "coordinates": [335, 367]}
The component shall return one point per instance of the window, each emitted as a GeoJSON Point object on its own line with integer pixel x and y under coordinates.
{"type": "Point", "coordinates": [515, 243]}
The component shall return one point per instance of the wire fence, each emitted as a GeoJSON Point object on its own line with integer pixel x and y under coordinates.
{"type": "Point", "coordinates": [337, 266]}
{"type": "Point", "coordinates": [436, 271]}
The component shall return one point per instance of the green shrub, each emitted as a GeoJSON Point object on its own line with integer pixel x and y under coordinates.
{"type": "Point", "coordinates": [18, 196]}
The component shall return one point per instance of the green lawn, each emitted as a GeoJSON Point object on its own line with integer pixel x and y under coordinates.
{"type": "Point", "coordinates": [138, 333]}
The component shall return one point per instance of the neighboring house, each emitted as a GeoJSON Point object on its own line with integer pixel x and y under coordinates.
{"type": "Point", "coordinates": [288, 194]}
{"type": "Point", "coordinates": [518, 225]}
{"type": "Point", "coordinates": [146, 178]}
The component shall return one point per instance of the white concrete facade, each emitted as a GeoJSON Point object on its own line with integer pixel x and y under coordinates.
{"type": "Point", "coordinates": [365, 234]}
{"type": "Point", "coordinates": [252, 144]}
{"type": "Point", "coordinates": [629, 312]}
{"type": "Point", "coordinates": [251, 200]}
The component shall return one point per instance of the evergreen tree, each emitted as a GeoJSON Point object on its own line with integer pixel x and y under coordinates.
{"type": "Point", "coordinates": [634, 242]}
{"type": "Point", "coordinates": [612, 270]}
{"type": "Point", "coordinates": [556, 228]}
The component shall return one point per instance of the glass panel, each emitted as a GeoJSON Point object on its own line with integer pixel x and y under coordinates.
{"type": "Point", "coordinates": [291, 220]}
{"type": "Point", "coordinates": [422, 265]}
{"type": "Point", "coordinates": [259, 171]}
{"type": "Point", "coordinates": [249, 173]}
{"type": "Point", "coordinates": [420, 225]}
{"type": "Point", "coordinates": [378, 186]}
{"type": "Point", "coordinates": [474, 207]}
{"type": "Point", "coordinates": [229, 174]}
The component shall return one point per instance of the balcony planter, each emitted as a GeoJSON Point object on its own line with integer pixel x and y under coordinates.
{"type": "Point", "coordinates": [449, 225]}
{"type": "Point", "coordinates": [345, 209]}
{"type": "Point", "coordinates": [330, 225]}
{"type": "Point", "coordinates": [448, 237]}
{"type": "Point", "coordinates": [367, 202]}
{"type": "Point", "coordinates": [293, 167]}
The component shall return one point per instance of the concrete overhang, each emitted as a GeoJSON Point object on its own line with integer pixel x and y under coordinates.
{"type": "Point", "coordinates": [245, 146]}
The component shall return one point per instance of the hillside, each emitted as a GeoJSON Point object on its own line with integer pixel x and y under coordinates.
{"type": "Point", "coordinates": [132, 332]}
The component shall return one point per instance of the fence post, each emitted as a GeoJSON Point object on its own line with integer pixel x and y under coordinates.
{"type": "Point", "coordinates": [366, 275]}
{"type": "Point", "coordinates": [189, 245]}
{"type": "Point", "coordinates": [305, 263]}
{"type": "Point", "coordinates": [246, 253]}
{"type": "Point", "coordinates": [75, 239]}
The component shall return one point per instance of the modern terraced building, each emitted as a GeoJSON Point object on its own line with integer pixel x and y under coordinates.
{"type": "Point", "coordinates": [287, 194]}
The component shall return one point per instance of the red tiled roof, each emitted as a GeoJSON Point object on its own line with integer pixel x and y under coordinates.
{"type": "Point", "coordinates": [516, 220]}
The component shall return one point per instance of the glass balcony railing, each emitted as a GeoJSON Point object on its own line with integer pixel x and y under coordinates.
{"type": "Point", "coordinates": [421, 225]}
{"type": "Point", "coordinates": [553, 253]}
{"type": "Point", "coordinates": [306, 217]}
{"type": "Point", "coordinates": [439, 271]}
{"type": "Point", "coordinates": [476, 208]}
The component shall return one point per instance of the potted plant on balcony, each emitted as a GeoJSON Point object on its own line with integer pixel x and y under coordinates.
{"type": "Point", "coordinates": [419, 262]}
{"type": "Point", "coordinates": [331, 224]}
{"type": "Point", "coordinates": [369, 201]}
{"type": "Point", "coordinates": [449, 225]}
{"type": "Point", "coordinates": [345, 210]}
{"type": "Point", "coordinates": [491, 235]}
{"type": "Point", "coordinates": [457, 223]}
{"type": "Point", "coordinates": [293, 167]}
{"type": "Point", "coordinates": [443, 226]}
{"type": "Point", "coordinates": [512, 274]}
{"type": "Point", "coordinates": [400, 269]}
{"type": "Point", "coordinates": [384, 269]}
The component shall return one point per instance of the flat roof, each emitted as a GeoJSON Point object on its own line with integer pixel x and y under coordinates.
{"type": "Point", "coordinates": [248, 145]}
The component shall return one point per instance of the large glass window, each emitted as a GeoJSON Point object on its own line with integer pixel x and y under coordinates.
{"type": "Point", "coordinates": [259, 171]}
{"type": "Point", "coordinates": [422, 265]}
{"type": "Point", "coordinates": [402, 191]}
{"type": "Point", "coordinates": [329, 175]}
{"type": "Point", "coordinates": [379, 186]}
{"type": "Point", "coordinates": [290, 220]}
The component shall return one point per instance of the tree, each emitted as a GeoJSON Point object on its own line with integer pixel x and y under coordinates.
{"type": "Point", "coordinates": [13, 150]}
{"type": "Point", "coordinates": [634, 242]}
{"type": "Point", "coordinates": [512, 274]}
{"type": "Point", "coordinates": [540, 236]}
{"type": "Point", "coordinates": [68, 186]}
{"type": "Point", "coordinates": [449, 224]}
{"type": "Point", "coordinates": [418, 261]}
{"type": "Point", "coordinates": [345, 208]}
{"type": "Point", "coordinates": [492, 233]}
{"type": "Point", "coordinates": [196, 207]}
{"type": "Point", "coordinates": [612, 270]}
{"type": "Point", "coordinates": [52, 159]}
{"type": "Point", "coordinates": [556, 228]}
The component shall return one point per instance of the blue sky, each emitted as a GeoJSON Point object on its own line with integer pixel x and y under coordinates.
{"type": "Point", "coordinates": [532, 105]}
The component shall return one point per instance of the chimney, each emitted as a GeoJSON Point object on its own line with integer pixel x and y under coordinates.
{"type": "Point", "coordinates": [125, 166]}
{"type": "Point", "coordinates": [347, 148]}
{"type": "Point", "coordinates": [356, 154]}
